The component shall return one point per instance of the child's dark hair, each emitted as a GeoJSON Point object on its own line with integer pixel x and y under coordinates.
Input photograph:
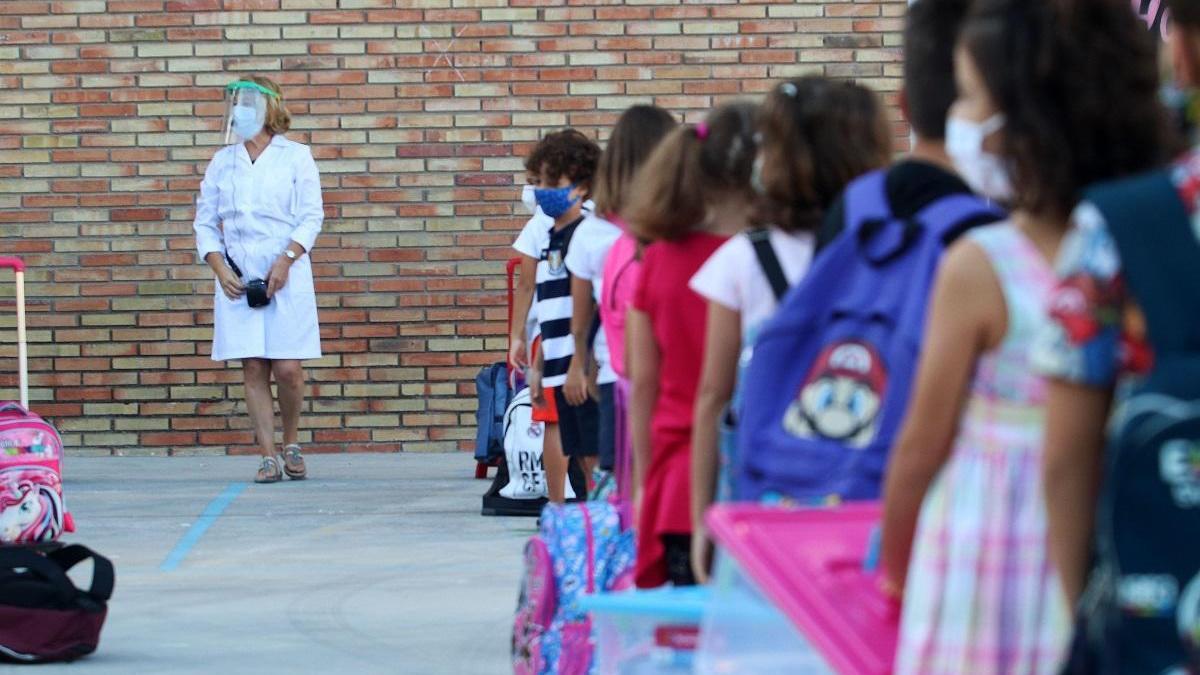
{"type": "Point", "coordinates": [818, 135]}
{"type": "Point", "coordinates": [565, 153]}
{"type": "Point", "coordinates": [930, 33]}
{"type": "Point", "coordinates": [694, 165]}
{"type": "Point", "coordinates": [1077, 82]}
{"type": "Point", "coordinates": [1185, 13]}
{"type": "Point", "coordinates": [636, 134]}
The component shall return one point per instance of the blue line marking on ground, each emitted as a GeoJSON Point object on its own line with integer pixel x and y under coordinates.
{"type": "Point", "coordinates": [211, 512]}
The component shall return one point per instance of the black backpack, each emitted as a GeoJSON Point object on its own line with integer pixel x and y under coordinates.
{"type": "Point", "coordinates": [43, 616]}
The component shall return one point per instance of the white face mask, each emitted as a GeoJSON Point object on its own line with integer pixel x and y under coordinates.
{"type": "Point", "coordinates": [986, 173]}
{"type": "Point", "coordinates": [528, 198]}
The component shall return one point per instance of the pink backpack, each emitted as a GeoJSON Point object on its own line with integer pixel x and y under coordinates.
{"type": "Point", "coordinates": [31, 502]}
{"type": "Point", "coordinates": [580, 549]}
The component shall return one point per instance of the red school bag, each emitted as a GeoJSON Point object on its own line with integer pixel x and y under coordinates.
{"type": "Point", "coordinates": [31, 497]}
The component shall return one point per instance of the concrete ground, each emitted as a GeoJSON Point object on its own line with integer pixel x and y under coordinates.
{"type": "Point", "coordinates": [375, 564]}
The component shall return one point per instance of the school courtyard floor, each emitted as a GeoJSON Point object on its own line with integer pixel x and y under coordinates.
{"type": "Point", "coordinates": [375, 564]}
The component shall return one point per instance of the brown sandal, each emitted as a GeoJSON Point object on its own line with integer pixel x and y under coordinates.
{"type": "Point", "coordinates": [269, 471]}
{"type": "Point", "coordinates": [293, 462]}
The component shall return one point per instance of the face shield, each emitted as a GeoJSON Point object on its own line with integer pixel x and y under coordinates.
{"type": "Point", "coordinates": [245, 110]}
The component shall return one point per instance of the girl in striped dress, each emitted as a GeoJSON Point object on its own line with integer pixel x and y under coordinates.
{"type": "Point", "coordinates": [1037, 118]}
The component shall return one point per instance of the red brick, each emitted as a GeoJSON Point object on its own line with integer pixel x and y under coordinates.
{"type": "Point", "coordinates": [431, 151]}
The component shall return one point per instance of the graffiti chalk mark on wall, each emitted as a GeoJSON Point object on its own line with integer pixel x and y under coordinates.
{"type": "Point", "coordinates": [1155, 14]}
{"type": "Point", "coordinates": [445, 51]}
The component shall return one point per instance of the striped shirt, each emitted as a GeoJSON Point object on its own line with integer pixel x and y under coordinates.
{"type": "Point", "coordinates": [553, 297]}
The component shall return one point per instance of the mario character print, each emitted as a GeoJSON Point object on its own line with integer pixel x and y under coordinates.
{"type": "Point", "coordinates": [841, 397]}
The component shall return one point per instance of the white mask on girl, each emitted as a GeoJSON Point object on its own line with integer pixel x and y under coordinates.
{"type": "Point", "coordinates": [986, 173]}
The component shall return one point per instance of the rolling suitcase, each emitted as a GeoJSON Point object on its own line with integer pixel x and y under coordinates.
{"type": "Point", "coordinates": [31, 495]}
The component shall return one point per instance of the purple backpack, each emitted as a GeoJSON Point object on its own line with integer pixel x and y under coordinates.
{"type": "Point", "coordinates": [581, 549]}
{"type": "Point", "coordinates": [829, 382]}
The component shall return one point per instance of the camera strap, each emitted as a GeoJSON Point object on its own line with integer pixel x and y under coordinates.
{"type": "Point", "coordinates": [232, 265]}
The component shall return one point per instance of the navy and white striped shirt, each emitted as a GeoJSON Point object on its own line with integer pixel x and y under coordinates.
{"type": "Point", "coordinates": [554, 306]}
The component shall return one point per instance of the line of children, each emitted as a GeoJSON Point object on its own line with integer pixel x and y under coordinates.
{"type": "Point", "coordinates": [1025, 102]}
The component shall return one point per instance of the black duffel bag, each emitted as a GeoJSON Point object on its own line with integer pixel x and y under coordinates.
{"type": "Point", "coordinates": [43, 616]}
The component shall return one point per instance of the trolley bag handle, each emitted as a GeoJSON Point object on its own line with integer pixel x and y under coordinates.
{"type": "Point", "coordinates": [18, 266]}
{"type": "Point", "coordinates": [511, 271]}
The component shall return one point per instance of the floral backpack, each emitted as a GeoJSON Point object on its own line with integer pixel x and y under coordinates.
{"type": "Point", "coordinates": [581, 549]}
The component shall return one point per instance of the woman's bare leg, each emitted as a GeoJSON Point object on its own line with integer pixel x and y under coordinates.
{"type": "Point", "coordinates": [257, 374]}
{"type": "Point", "coordinates": [289, 376]}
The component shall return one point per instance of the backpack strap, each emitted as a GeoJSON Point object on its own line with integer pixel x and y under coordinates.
{"type": "Point", "coordinates": [866, 200]}
{"type": "Point", "coordinates": [46, 568]}
{"type": "Point", "coordinates": [103, 577]}
{"type": "Point", "coordinates": [760, 238]}
{"type": "Point", "coordinates": [591, 549]}
{"type": "Point", "coordinates": [952, 215]}
{"type": "Point", "coordinates": [1158, 248]}
{"type": "Point", "coordinates": [945, 218]}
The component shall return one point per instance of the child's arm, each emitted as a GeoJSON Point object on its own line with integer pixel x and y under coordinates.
{"type": "Point", "coordinates": [522, 299]}
{"type": "Point", "coordinates": [583, 307]}
{"type": "Point", "coordinates": [722, 343]}
{"type": "Point", "coordinates": [643, 362]}
{"type": "Point", "coordinates": [1075, 421]}
{"type": "Point", "coordinates": [966, 317]}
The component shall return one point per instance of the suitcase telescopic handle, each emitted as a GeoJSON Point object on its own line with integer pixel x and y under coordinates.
{"type": "Point", "coordinates": [18, 266]}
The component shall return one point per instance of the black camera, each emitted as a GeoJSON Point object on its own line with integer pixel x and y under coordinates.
{"type": "Point", "coordinates": [256, 293]}
{"type": "Point", "coordinates": [256, 289]}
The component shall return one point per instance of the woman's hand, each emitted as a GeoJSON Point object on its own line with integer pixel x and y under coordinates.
{"type": "Point", "coordinates": [278, 276]}
{"type": "Point", "coordinates": [231, 285]}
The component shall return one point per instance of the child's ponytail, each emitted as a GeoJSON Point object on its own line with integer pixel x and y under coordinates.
{"type": "Point", "coordinates": [694, 166]}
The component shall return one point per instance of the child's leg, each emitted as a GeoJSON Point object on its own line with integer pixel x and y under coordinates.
{"type": "Point", "coordinates": [678, 558]}
{"type": "Point", "coordinates": [556, 464]}
{"type": "Point", "coordinates": [578, 430]}
{"type": "Point", "coordinates": [606, 433]}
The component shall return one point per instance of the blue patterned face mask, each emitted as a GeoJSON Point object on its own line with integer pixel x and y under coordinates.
{"type": "Point", "coordinates": [555, 201]}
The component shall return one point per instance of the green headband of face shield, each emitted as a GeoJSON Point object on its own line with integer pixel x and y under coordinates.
{"type": "Point", "coordinates": [245, 84]}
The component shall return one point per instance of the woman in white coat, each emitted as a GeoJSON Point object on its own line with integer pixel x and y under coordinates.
{"type": "Point", "coordinates": [257, 216]}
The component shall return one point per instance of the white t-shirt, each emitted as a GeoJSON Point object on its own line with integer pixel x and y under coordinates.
{"type": "Point", "coordinates": [585, 259]}
{"type": "Point", "coordinates": [733, 277]}
{"type": "Point", "coordinates": [589, 248]}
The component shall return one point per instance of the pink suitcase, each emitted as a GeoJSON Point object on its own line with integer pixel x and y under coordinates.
{"type": "Point", "coordinates": [31, 501]}
{"type": "Point", "coordinates": [813, 564]}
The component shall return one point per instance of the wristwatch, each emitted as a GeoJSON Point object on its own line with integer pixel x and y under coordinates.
{"type": "Point", "coordinates": [291, 255]}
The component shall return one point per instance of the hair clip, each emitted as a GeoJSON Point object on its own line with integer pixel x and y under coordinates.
{"type": "Point", "coordinates": [701, 130]}
{"type": "Point", "coordinates": [789, 89]}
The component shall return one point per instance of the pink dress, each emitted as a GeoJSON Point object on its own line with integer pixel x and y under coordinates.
{"type": "Point", "coordinates": [982, 596]}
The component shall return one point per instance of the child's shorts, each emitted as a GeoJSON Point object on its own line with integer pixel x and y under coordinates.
{"type": "Point", "coordinates": [547, 412]}
{"type": "Point", "coordinates": [578, 425]}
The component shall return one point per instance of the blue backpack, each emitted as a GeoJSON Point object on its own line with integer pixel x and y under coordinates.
{"type": "Point", "coordinates": [1141, 611]}
{"type": "Point", "coordinates": [581, 549]}
{"type": "Point", "coordinates": [831, 374]}
{"type": "Point", "coordinates": [494, 393]}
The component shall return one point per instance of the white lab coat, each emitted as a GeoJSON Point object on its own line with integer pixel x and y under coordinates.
{"type": "Point", "coordinates": [252, 210]}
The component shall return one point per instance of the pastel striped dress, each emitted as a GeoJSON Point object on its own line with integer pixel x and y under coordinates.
{"type": "Point", "coordinates": [981, 595]}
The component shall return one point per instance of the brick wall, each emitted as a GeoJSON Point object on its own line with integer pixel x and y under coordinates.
{"type": "Point", "coordinates": [418, 112]}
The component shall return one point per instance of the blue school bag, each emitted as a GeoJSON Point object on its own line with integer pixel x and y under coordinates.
{"type": "Point", "coordinates": [493, 391]}
{"type": "Point", "coordinates": [581, 549]}
{"type": "Point", "coordinates": [829, 381]}
{"type": "Point", "coordinates": [1141, 610]}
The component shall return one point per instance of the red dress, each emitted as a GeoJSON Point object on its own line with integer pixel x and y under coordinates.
{"type": "Point", "coordinates": [678, 316]}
